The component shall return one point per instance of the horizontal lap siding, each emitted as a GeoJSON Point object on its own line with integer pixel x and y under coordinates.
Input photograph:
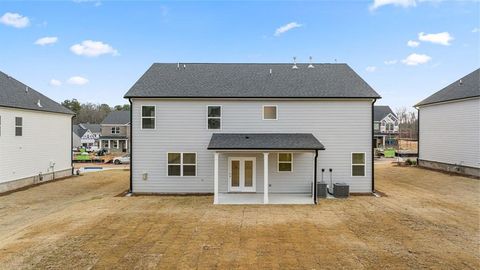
{"type": "Point", "coordinates": [450, 133]}
{"type": "Point", "coordinates": [46, 139]}
{"type": "Point", "coordinates": [342, 126]}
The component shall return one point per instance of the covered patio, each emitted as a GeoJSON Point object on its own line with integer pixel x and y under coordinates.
{"type": "Point", "coordinates": [258, 168]}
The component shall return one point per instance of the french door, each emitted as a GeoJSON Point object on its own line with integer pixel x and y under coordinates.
{"type": "Point", "coordinates": [241, 174]}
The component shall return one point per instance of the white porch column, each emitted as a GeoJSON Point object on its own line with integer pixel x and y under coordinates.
{"type": "Point", "coordinates": [215, 179]}
{"type": "Point", "coordinates": [108, 144]}
{"type": "Point", "coordinates": [265, 178]}
{"type": "Point", "coordinates": [118, 144]}
{"type": "Point", "coordinates": [126, 144]}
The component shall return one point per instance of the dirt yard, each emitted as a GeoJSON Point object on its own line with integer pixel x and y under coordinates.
{"type": "Point", "coordinates": [426, 220]}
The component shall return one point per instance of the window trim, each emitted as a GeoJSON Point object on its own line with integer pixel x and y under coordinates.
{"type": "Point", "coordinates": [21, 126]}
{"type": "Point", "coordinates": [115, 128]}
{"type": "Point", "coordinates": [154, 117]}
{"type": "Point", "coordinates": [276, 112]}
{"type": "Point", "coordinates": [364, 164]}
{"type": "Point", "coordinates": [181, 164]}
{"type": "Point", "coordinates": [278, 162]}
{"type": "Point", "coordinates": [221, 117]}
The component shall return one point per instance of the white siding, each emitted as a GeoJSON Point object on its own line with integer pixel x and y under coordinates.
{"type": "Point", "coordinates": [46, 139]}
{"type": "Point", "coordinates": [343, 126]}
{"type": "Point", "coordinates": [450, 133]}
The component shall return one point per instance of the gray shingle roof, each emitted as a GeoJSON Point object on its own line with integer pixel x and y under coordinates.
{"type": "Point", "coordinates": [380, 112]}
{"type": "Point", "coordinates": [470, 87]}
{"type": "Point", "coordinates": [251, 81]}
{"type": "Point", "coordinates": [278, 141]}
{"type": "Point", "coordinates": [94, 128]}
{"type": "Point", "coordinates": [77, 129]}
{"type": "Point", "coordinates": [13, 94]}
{"type": "Point", "coordinates": [117, 117]}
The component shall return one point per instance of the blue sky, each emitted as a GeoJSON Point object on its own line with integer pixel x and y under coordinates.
{"type": "Point", "coordinates": [95, 50]}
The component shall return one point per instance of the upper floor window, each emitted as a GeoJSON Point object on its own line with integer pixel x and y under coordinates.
{"type": "Point", "coordinates": [285, 162]}
{"type": "Point", "coordinates": [376, 126]}
{"type": "Point", "coordinates": [270, 112]}
{"type": "Point", "coordinates": [214, 117]}
{"type": "Point", "coordinates": [18, 126]}
{"type": "Point", "coordinates": [358, 164]}
{"type": "Point", "coordinates": [182, 164]}
{"type": "Point", "coordinates": [115, 130]}
{"type": "Point", "coordinates": [389, 127]}
{"type": "Point", "coordinates": [148, 117]}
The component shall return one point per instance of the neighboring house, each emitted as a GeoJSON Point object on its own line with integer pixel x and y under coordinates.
{"type": "Point", "coordinates": [96, 132]}
{"type": "Point", "coordinates": [251, 133]}
{"type": "Point", "coordinates": [449, 127]}
{"type": "Point", "coordinates": [115, 131]}
{"type": "Point", "coordinates": [83, 137]}
{"type": "Point", "coordinates": [385, 125]}
{"type": "Point", "coordinates": [35, 136]}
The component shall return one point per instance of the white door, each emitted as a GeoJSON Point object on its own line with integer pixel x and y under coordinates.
{"type": "Point", "coordinates": [241, 174]}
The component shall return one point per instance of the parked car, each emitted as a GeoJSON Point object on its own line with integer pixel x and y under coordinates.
{"type": "Point", "coordinates": [122, 159]}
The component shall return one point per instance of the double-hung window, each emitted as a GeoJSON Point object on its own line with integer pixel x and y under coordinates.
{"type": "Point", "coordinates": [214, 117]}
{"type": "Point", "coordinates": [270, 112]}
{"type": "Point", "coordinates": [182, 164]}
{"type": "Point", "coordinates": [148, 117]}
{"type": "Point", "coordinates": [115, 130]}
{"type": "Point", "coordinates": [18, 126]}
{"type": "Point", "coordinates": [358, 164]}
{"type": "Point", "coordinates": [285, 162]}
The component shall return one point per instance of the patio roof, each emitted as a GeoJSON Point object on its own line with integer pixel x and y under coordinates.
{"type": "Point", "coordinates": [264, 141]}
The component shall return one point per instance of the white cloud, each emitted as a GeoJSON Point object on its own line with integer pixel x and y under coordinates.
{"type": "Point", "coordinates": [92, 48]}
{"type": "Point", "coordinates": [46, 41]}
{"type": "Point", "coordinates": [371, 69]}
{"type": "Point", "coordinates": [413, 43]}
{"type": "Point", "coordinates": [54, 82]}
{"type": "Point", "coordinates": [287, 27]}
{"type": "Point", "coordinates": [442, 38]}
{"type": "Point", "coordinates": [416, 59]}
{"type": "Point", "coordinates": [77, 80]}
{"type": "Point", "coordinates": [15, 20]}
{"type": "Point", "coordinates": [400, 3]}
{"type": "Point", "coordinates": [476, 30]}
{"type": "Point", "coordinates": [390, 62]}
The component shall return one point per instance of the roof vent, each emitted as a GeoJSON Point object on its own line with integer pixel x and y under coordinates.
{"type": "Point", "coordinates": [178, 65]}
{"type": "Point", "coordinates": [184, 66]}
{"type": "Point", "coordinates": [460, 82]}
{"type": "Point", "coordinates": [26, 89]}
{"type": "Point", "coordinates": [270, 72]}
{"type": "Point", "coordinates": [39, 104]}
{"type": "Point", "coordinates": [311, 64]}
{"type": "Point", "coordinates": [294, 63]}
{"type": "Point", "coordinates": [247, 137]}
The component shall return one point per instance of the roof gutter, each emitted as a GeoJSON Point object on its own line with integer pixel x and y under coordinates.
{"type": "Point", "coordinates": [373, 149]}
{"type": "Point", "coordinates": [131, 146]}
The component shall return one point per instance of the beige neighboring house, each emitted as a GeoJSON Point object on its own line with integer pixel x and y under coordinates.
{"type": "Point", "coordinates": [35, 136]}
{"type": "Point", "coordinates": [449, 127]}
{"type": "Point", "coordinates": [115, 132]}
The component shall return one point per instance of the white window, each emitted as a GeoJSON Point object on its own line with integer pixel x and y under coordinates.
{"type": "Point", "coordinates": [115, 130]}
{"type": "Point", "coordinates": [358, 164]}
{"type": "Point", "coordinates": [18, 126]}
{"type": "Point", "coordinates": [376, 126]}
{"type": "Point", "coordinates": [285, 162]}
{"type": "Point", "coordinates": [181, 164]}
{"type": "Point", "coordinates": [214, 117]}
{"type": "Point", "coordinates": [148, 117]}
{"type": "Point", "coordinates": [114, 144]}
{"type": "Point", "coordinates": [270, 112]}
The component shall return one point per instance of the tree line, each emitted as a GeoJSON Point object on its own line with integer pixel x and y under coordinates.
{"type": "Point", "coordinates": [90, 112]}
{"type": "Point", "coordinates": [408, 123]}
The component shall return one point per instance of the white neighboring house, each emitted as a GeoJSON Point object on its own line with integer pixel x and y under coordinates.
{"type": "Point", "coordinates": [86, 135]}
{"type": "Point", "coordinates": [35, 136]}
{"type": "Point", "coordinates": [251, 133]}
{"type": "Point", "coordinates": [449, 127]}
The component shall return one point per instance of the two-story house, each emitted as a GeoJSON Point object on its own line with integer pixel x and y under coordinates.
{"type": "Point", "coordinates": [35, 136]}
{"type": "Point", "coordinates": [115, 131]}
{"type": "Point", "coordinates": [251, 133]}
{"type": "Point", "coordinates": [449, 127]}
{"type": "Point", "coordinates": [386, 127]}
{"type": "Point", "coordinates": [86, 135]}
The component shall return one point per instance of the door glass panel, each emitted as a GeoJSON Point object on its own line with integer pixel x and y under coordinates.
{"type": "Point", "coordinates": [248, 173]}
{"type": "Point", "coordinates": [235, 173]}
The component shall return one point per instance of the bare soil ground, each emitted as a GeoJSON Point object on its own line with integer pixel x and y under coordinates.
{"type": "Point", "coordinates": [426, 220]}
